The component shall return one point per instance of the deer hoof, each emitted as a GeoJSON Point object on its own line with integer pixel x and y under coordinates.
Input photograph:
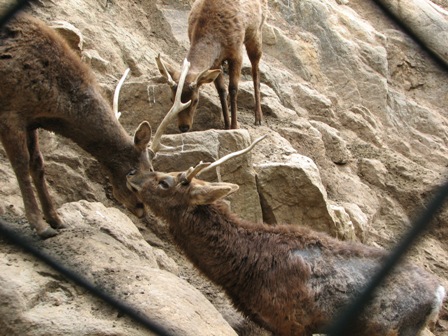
{"type": "Point", "coordinates": [57, 224]}
{"type": "Point", "coordinates": [47, 233]}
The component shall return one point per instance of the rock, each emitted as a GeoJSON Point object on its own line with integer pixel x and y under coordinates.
{"type": "Point", "coordinates": [373, 171]}
{"type": "Point", "coordinates": [359, 220]}
{"type": "Point", "coordinates": [270, 102]}
{"type": "Point", "coordinates": [335, 146]}
{"type": "Point", "coordinates": [104, 246]}
{"type": "Point", "coordinates": [330, 70]}
{"type": "Point", "coordinates": [344, 227]}
{"type": "Point", "coordinates": [71, 34]}
{"type": "Point", "coordinates": [360, 121]}
{"type": "Point", "coordinates": [426, 20]}
{"type": "Point", "coordinates": [149, 100]}
{"type": "Point", "coordinates": [302, 199]}
{"type": "Point", "coordinates": [93, 59]}
{"type": "Point", "coordinates": [189, 149]}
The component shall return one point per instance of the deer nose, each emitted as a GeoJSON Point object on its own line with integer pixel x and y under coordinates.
{"type": "Point", "coordinates": [184, 128]}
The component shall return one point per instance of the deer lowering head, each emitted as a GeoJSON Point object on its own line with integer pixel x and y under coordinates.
{"type": "Point", "coordinates": [43, 84]}
{"type": "Point", "coordinates": [291, 280]}
{"type": "Point", "coordinates": [217, 30]}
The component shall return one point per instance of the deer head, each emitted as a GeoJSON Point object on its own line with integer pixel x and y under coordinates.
{"type": "Point", "coordinates": [181, 189]}
{"type": "Point", "coordinates": [142, 137]}
{"type": "Point", "coordinates": [189, 92]}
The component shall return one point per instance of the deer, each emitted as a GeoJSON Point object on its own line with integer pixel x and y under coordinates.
{"type": "Point", "coordinates": [217, 30]}
{"type": "Point", "coordinates": [44, 84]}
{"type": "Point", "coordinates": [289, 279]}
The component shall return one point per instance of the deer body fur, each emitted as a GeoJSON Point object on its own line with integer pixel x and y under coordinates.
{"type": "Point", "coordinates": [291, 280]}
{"type": "Point", "coordinates": [43, 84]}
{"type": "Point", "coordinates": [217, 30]}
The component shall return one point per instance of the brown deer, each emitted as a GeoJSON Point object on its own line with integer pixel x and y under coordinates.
{"type": "Point", "coordinates": [217, 30]}
{"type": "Point", "coordinates": [289, 279]}
{"type": "Point", "coordinates": [44, 84]}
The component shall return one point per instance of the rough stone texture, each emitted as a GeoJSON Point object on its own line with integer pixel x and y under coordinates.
{"type": "Point", "coordinates": [105, 246]}
{"type": "Point", "coordinates": [425, 19]}
{"type": "Point", "coordinates": [343, 89]}
{"type": "Point", "coordinates": [302, 197]}
{"type": "Point", "coordinates": [189, 149]}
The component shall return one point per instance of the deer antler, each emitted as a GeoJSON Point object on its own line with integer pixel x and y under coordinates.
{"type": "Point", "coordinates": [203, 167]}
{"type": "Point", "coordinates": [164, 71]}
{"type": "Point", "coordinates": [175, 109]}
{"type": "Point", "coordinates": [117, 94]}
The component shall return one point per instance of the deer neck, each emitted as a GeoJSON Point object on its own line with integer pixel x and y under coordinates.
{"type": "Point", "coordinates": [204, 54]}
{"type": "Point", "coordinates": [90, 123]}
{"type": "Point", "coordinates": [214, 243]}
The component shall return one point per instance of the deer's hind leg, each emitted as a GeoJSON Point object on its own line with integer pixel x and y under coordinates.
{"type": "Point", "coordinates": [254, 52]}
{"type": "Point", "coordinates": [15, 144]}
{"type": "Point", "coordinates": [37, 172]}
{"type": "Point", "coordinates": [235, 65]}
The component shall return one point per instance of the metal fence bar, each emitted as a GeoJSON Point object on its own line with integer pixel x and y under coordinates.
{"type": "Point", "coordinates": [342, 323]}
{"type": "Point", "coordinates": [433, 55]}
{"type": "Point", "coordinates": [27, 245]}
{"type": "Point", "coordinates": [13, 10]}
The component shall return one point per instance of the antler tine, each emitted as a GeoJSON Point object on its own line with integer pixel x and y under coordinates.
{"type": "Point", "coordinates": [117, 94]}
{"type": "Point", "coordinates": [165, 72]}
{"type": "Point", "coordinates": [206, 166]}
{"type": "Point", "coordinates": [193, 171]}
{"type": "Point", "coordinates": [175, 109]}
{"type": "Point", "coordinates": [232, 155]}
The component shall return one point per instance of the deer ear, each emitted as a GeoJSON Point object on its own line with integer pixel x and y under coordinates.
{"type": "Point", "coordinates": [206, 77]}
{"type": "Point", "coordinates": [208, 193]}
{"type": "Point", "coordinates": [142, 135]}
{"type": "Point", "coordinates": [167, 71]}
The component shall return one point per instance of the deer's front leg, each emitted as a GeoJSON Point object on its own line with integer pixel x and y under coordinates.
{"type": "Point", "coordinates": [37, 172]}
{"type": "Point", "coordinates": [17, 151]}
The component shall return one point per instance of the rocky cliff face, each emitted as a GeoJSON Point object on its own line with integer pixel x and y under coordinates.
{"type": "Point", "coordinates": [356, 119]}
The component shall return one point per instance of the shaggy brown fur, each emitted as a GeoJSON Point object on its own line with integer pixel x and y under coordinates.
{"type": "Point", "coordinates": [289, 279]}
{"type": "Point", "coordinates": [43, 84]}
{"type": "Point", "coordinates": [217, 30]}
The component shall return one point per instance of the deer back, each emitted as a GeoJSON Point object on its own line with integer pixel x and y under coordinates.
{"type": "Point", "coordinates": [289, 279]}
{"type": "Point", "coordinates": [44, 84]}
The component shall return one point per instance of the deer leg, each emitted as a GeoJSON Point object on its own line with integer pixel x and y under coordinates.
{"type": "Point", "coordinates": [17, 152]}
{"type": "Point", "coordinates": [234, 77]}
{"type": "Point", "coordinates": [37, 172]}
{"type": "Point", "coordinates": [254, 52]}
{"type": "Point", "coordinates": [222, 92]}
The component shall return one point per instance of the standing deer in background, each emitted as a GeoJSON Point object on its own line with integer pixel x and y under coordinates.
{"type": "Point", "coordinates": [217, 30]}
{"type": "Point", "coordinates": [44, 84]}
{"type": "Point", "coordinates": [291, 280]}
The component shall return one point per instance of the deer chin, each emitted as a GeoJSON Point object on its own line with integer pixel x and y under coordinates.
{"type": "Point", "coordinates": [139, 211]}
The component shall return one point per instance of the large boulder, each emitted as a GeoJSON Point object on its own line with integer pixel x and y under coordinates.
{"type": "Point", "coordinates": [187, 150]}
{"type": "Point", "coordinates": [103, 245]}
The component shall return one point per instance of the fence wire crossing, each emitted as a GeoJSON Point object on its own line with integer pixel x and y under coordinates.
{"type": "Point", "coordinates": [340, 325]}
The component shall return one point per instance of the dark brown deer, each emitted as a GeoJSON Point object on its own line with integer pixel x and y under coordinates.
{"type": "Point", "coordinates": [217, 30]}
{"type": "Point", "coordinates": [43, 84]}
{"type": "Point", "coordinates": [289, 279]}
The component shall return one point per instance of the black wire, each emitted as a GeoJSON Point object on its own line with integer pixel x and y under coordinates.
{"type": "Point", "coordinates": [403, 26]}
{"type": "Point", "coordinates": [12, 11]}
{"type": "Point", "coordinates": [119, 305]}
{"type": "Point", "coordinates": [342, 323]}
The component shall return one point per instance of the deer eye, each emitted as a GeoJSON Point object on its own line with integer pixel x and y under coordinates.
{"type": "Point", "coordinates": [166, 182]}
